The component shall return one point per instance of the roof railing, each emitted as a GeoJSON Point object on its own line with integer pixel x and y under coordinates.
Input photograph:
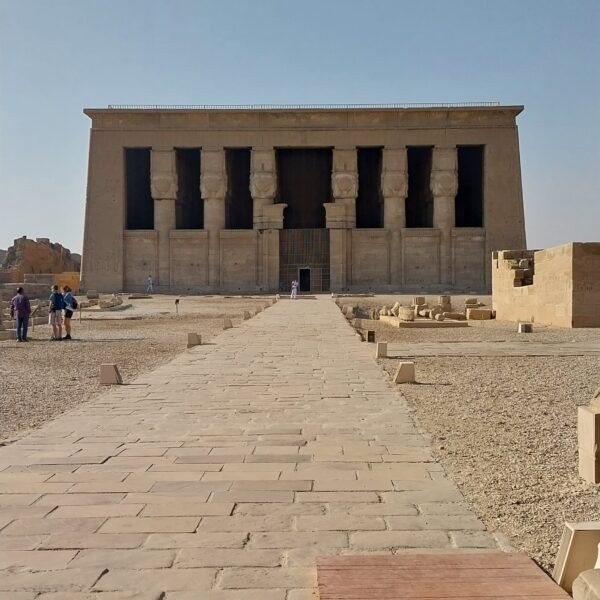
{"type": "Point", "coordinates": [298, 106]}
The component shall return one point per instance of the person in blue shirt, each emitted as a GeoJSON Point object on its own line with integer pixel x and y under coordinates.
{"type": "Point", "coordinates": [56, 306]}
{"type": "Point", "coordinates": [70, 306]}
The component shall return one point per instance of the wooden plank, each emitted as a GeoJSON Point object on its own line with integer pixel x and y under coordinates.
{"type": "Point", "coordinates": [489, 576]}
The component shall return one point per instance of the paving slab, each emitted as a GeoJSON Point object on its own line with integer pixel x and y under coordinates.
{"type": "Point", "coordinates": [229, 470]}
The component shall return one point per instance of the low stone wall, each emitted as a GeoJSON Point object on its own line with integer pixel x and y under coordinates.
{"type": "Point", "coordinates": [558, 286]}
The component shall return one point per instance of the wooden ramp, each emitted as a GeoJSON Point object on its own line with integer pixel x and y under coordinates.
{"type": "Point", "coordinates": [490, 576]}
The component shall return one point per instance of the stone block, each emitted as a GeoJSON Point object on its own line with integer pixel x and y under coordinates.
{"type": "Point", "coordinates": [193, 339]}
{"type": "Point", "coordinates": [419, 300]}
{"type": "Point", "coordinates": [257, 309]}
{"type": "Point", "coordinates": [436, 310]}
{"type": "Point", "coordinates": [480, 314]}
{"type": "Point", "coordinates": [8, 334]}
{"type": "Point", "coordinates": [92, 295]}
{"type": "Point", "coordinates": [423, 313]}
{"type": "Point", "coordinates": [109, 375]}
{"type": "Point", "coordinates": [439, 317]}
{"type": "Point", "coordinates": [469, 301]}
{"type": "Point", "coordinates": [456, 316]}
{"type": "Point", "coordinates": [370, 336]}
{"type": "Point", "coordinates": [405, 373]}
{"type": "Point", "coordinates": [444, 300]}
{"type": "Point", "coordinates": [246, 315]}
{"type": "Point", "coordinates": [588, 435]}
{"type": "Point", "coordinates": [381, 350]}
{"type": "Point", "coordinates": [227, 323]}
{"type": "Point", "coordinates": [406, 313]}
{"type": "Point", "coordinates": [578, 552]}
{"type": "Point", "coordinates": [525, 328]}
{"type": "Point", "coordinates": [587, 585]}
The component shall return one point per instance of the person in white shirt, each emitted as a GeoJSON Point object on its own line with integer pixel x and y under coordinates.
{"type": "Point", "coordinates": [294, 289]}
{"type": "Point", "coordinates": [149, 285]}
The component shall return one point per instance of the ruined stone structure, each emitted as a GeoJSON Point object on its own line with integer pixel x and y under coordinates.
{"type": "Point", "coordinates": [27, 256]}
{"type": "Point", "coordinates": [341, 198]}
{"type": "Point", "coordinates": [558, 286]}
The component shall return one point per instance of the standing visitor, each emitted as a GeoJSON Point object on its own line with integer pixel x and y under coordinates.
{"type": "Point", "coordinates": [57, 304]}
{"type": "Point", "coordinates": [21, 309]}
{"type": "Point", "coordinates": [70, 308]}
{"type": "Point", "coordinates": [294, 289]}
{"type": "Point", "coordinates": [149, 285]}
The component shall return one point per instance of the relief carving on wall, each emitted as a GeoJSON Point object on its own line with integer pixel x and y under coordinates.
{"type": "Point", "coordinates": [263, 185]}
{"type": "Point", "coordinates": [444, 172]}
{"type": "Point", "coordinates": [394, 184]}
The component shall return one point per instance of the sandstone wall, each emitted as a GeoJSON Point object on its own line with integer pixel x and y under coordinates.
{"type": "Point", "coordinates": [558, 286]}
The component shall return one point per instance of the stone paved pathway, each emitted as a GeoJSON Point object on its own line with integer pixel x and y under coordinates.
{"type": "Point", "coordinates": [222, 474]}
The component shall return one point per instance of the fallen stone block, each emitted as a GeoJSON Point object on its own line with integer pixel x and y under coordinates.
{"type": "Point", "coordinates": [227, 323]}
{"type": "Point", "coordinates": [405, 373]}
{"type": "Point", "coordinates": [381, 350]}
{"type": "Point", "coordinates": [588, 441]}
{"type": "Point", "coordinates": [444, 300]}
{"type": "Point", "coordinates": [8, 334]}
{"type": "Point", "coordinates": [439, 317]}
{"type": "Point", "coordinates": [525, 328]}
{"type": "Point", "coordinates": [419, 300]}
{"type": "Point", "coordinates": [578, 552]}
{"type": "Point", "coordinates": [139, 297]}
{"type": "Point", "coordinates": [92, 295]}
{"type": "Point", "coordinates": [480, 314]}
{"type": "Point", "coordinates": [193, 339]}
{"type": "Point", "coordinates": [423, 313]}
{"type": "Point", "coordinates": [109, 375]}
{"type": "Point", "coordinates": [436, 310]}
{"type": "Point", "coordinates": [471, 301]}
{"type": "Point", "coordinates": [246, 315]}
{"type": "Point", "coordinates": [406, 314]}
{"type": "Point", "coordinates": [257, 310]}
{"type": "Point", "coordinates": [456, 316]}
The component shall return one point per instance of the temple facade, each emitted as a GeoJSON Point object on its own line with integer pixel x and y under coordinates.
{"type": "Point", "coordinates": [246, 199]}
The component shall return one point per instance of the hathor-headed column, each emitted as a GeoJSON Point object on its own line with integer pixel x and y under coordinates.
{"type": "Point", "coordinates": [213, 187]}
{"type": "Point", "coordinates": [341, 215]}
{"type": "Point", "coordinates": [444, 185]}
{"type": "Point", "coordinates": [263, 183]}
{"type": "Point", "coordinates": [394, 188]}
{"type": "Point", "coordinates": [164, 192]}
{"type": "Point", "coordinates": [344, 182]}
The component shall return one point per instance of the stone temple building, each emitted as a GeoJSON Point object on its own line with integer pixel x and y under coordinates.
{"type": "Point", "coordinates": [246, 199]}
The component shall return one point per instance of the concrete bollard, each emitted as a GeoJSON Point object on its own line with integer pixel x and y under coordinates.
{"type": "Point", "coordinates": [109, 375]}
{"type": "Point", "coordinates": [525, 328]}
{"type": "Point", "coordinates": [405, 373]}
{"type": "Point", "coordinates": [193, 339]}
{"type": "Point", "coordinates": [227, 323]}
{"type": "Point", "coordinates": [246, 315]}
{"type": "Point", "coordinates": [381, 350]}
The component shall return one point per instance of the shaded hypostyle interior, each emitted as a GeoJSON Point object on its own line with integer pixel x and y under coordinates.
{"type": "Point", "coordinates": [469, 198]}
{"type": "Point", "coordinates": [304, 184]}
{"type": "Point", "coordinates": [138, 195]}
{"type": "Point", "coordinates": [238, 202]}
{"type": "Point", "coordinates": [189, 207]}
{"type": "Point", "coordinates": [369, 202]}
{"type": "Point", "coordinates": [419, 201]}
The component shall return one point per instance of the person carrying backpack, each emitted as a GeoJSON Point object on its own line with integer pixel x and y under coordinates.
{"type": "Point", "coordinates": [70, 307]}
{"type": "Point", "coordinates": [56, 306]}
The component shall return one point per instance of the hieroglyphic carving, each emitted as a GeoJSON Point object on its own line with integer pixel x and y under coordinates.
{"type": "Point", "coordinates": [444, 172]}
{"type": "Point", "coordinates": [163, 181]}
{"type": "Point", "coordinates": [213, 178]}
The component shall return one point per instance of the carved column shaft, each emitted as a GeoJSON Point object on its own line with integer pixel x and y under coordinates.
{"type": "Point", "coordinates": [394, 187]}
{"type": "Point", "coordinates": [444, 185]}
{"type": "Point", "coordinates": [213, 187]}
{"type": "Point", "coordinates": [263, 183]}
{"type": "Point", "coordinates": [163, 185]}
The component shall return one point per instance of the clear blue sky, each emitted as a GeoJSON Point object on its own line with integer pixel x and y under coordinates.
{"type": "Point", "coordinates": [59, 56]}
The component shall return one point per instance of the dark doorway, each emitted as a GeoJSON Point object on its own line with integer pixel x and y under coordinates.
{"type": "Point", "coordinates": [419, 202]}
{"type": "Point", "coordinates": [304, 184]}
{"type": "Point", "coordinates": [138, 197]}
{"type": "Point", "coordinates": [189, 208]}
{"type": "Point", "coordinates": [369, 202]}
{"type": "Point", "coordinates": [304, 278]}
{"type": "Point", "coordinates": [304, 249]}
{"type": "Point", "coordinates": [238, 202]}
{"type": "Point", "coordinates": [469, 198]}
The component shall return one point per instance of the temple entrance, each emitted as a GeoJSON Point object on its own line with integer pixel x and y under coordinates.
{"type": "Point", "coordinates": [304, 255]}
{"type": "Point", "coordinates": [304, 279]}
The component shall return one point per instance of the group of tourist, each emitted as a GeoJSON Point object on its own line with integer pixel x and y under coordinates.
{"type": "Point", "coordinates": [60, 302]}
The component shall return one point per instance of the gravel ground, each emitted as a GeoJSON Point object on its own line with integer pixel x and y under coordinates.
{"type": "Point", "coordinates": [505, 428]}
{"type": "Point", "coordinates": [43, 379]}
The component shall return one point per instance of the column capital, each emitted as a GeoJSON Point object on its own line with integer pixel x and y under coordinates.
{"type": "Point", "coordinates": [213, 177]}
{"type": "Point", "coordinates": [163, 178]}
{"type": "Point", "coordinates": [444, 172]}
{"type": "Point", "coordinates": [263, 189]}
